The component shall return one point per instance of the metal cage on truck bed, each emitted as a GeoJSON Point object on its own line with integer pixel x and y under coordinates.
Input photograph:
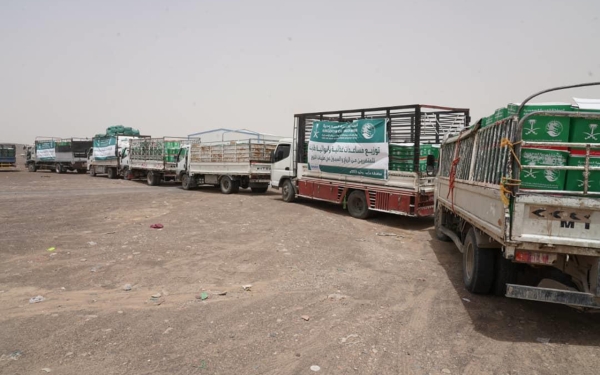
{"type": "Point", "coordinates": [417, 123]}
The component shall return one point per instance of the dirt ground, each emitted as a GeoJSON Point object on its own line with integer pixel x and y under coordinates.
{"type": "Point", "coordinates": [372, 304]}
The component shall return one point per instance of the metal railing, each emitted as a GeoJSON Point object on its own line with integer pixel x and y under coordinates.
{"type": "Point", "coordinates": [492, 154]}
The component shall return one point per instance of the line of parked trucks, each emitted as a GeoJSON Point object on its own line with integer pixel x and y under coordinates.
{"type": "Point", "coordinates": [518, 237]}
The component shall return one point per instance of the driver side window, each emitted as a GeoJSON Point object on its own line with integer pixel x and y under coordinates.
{"type": "Point", "coordinates": [282, 152]}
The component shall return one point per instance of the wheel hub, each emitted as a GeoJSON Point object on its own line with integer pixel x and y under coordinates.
{"type": "Point", "coordinates": [470, 263]}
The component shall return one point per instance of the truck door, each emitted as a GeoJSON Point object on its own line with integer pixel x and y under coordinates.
{"type": "Point", "coordinates": [182, 160]}
{"type": "Point", "coordinates": [125, 157]}
{"type": "Point", "coordinates": [282, 163]}
{"type": "Point", "coordinates": [90, 157]}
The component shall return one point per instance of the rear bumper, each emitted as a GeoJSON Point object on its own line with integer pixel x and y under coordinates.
{"type": "Point", "coordinates": [564, 297]}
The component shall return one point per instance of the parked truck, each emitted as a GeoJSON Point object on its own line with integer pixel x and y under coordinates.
{"type": "Point", "coordinates": [518, 193]}
{"type": "Point", "coordinates": [230, 165]}
{"type": "Point", "coordinates": [109, 155]}
{"type": "Point", "coordinates": [8, 156]}
{"type": "Point", "coordinates": [375, 159]}
{"type": "Point", "coordinates": [58, 154]}
{"type": "Point", "coordinates": [154, 159]}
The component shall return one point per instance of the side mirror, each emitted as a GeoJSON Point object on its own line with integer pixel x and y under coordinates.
{"type": "Point", "coordinates": [272, 156]}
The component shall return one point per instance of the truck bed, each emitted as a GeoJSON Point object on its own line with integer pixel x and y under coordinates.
{"type": "Point", "coordinates": [224, 168]}
{"type": "Point", "coordinates": [231, 153]}
{"type": "Point", "coordinates": [406, 180]}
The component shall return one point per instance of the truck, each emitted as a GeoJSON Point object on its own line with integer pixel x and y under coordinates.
{"type": "Point", "coordinates": [8, 156]}
{"type": "Point", "coordinates": [229, 165]}
{"type": "Point", "coordinates": [58, 154]}
{"type": "Point", "coordinates": [109, 155]}
{"type": "Point", "coordinates": [519, 196]}
{"type": "Point", "coordinates": [368, 160]}
{"type": "Point", "coordinates": [154, 159]}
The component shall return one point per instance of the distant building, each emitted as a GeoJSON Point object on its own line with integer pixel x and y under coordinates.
{"type": "Point", "coordinates": [224, 135]}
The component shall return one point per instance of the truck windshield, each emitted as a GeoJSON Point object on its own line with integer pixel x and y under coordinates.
{"type": "Point", "coordinates": [283, 151]}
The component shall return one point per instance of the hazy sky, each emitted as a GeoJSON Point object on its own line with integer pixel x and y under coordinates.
{"type": "Point", "coordinates": [73, 68]}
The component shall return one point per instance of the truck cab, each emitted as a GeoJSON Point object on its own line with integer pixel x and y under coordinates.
{"type": "Point", "coordinates": [182, 160]}
{"type": "Point", "coordinates": [283, 167]}
{"type": "Point", "coordinates": [90, 157]}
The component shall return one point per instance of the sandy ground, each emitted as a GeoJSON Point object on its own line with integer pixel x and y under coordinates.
{"type": "Point", "coordinates": [372, 304]}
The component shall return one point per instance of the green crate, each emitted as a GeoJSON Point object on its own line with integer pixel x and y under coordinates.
{"type": "Point", "coordinates": [575, 178]}
{"type": "Point", "coordinates": [544, 128]}
{"type": "Point", "coordinates": [539, 178]}
{"type": "Point", "coordinates": [501, 114]}
{"type": "Point", "coordinates": [407, 150]}
{"type": "Point", "coordinates": [585, 130]}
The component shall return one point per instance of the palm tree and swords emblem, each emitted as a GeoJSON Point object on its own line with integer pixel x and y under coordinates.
{"type": "Point", "coordinates": [531, 129]}
{"type": "Point", "coordinates": [592, 134]}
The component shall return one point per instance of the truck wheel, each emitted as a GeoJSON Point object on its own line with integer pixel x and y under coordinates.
{"type": "Point", "coordinates": [288, 193]}
{"type": "Point", "coordinates": [111, 173]}
{"type": "Point", "coordinates": [128, 175]}
{"type": "Point", "coordinates": [58, 168]}
{"type": "Point", "coordinates": [505, 273]}
{"type": "Point", "coordinates": [245, 183]}
{"type": "Point", "coordinates": [186, 182]}
{"type": "Point", "coordinates": [31, 167]}
{"type": "Point", "coordinates": [92, 172]}
{"type": "Point", "coordinates": [229, 186]}
{"type": "Point", "coordinates": [357, 205]}
{"type": "Point", "coordinates": [151, 179]}
{"type": "Point", "coordinates": [438, 220]}
{"type": "Point", "coordinates": [260, 189]}
{"type": "Point", "coordinates": [478, 266]}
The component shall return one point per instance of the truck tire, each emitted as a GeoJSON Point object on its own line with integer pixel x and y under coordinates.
{"type": "Point", "coordinates": [229, 186]}
{"type": "Point", "coordinates": [58, 168]}
{"type": "Point", "coordinates": [245, 183]}
{"type": "Point", "coordinates": [92, 172]}
{"type": "Point", "coordinates": [260, 189]}
{"type": "Point", "coordinates": [111, 173]}
{"type": "Point", "coordinates": [438, 220]}
{"type": "Point", "coordinates": [128, 175]}
{"type": "Point", "coordinates": [153, 179]}
{"type": "Point", "coordinates": [186, 182]}
{"type": "Point", "coordinates": [505, 273]}
{"type": "Point", "coordinates": [478, 265]}
{"type": "Point", "coordinates": [31, 167]}
{"type": "Point", "coordinates": [357, 205]}
{"type": "Point", "coordinates": [288, 192]}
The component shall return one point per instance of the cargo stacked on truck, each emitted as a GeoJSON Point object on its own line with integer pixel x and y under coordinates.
{"type": "Point", "coordinates": [230, 165]}
{"type": "Point", "coordinates": [8, 156]}
{"type": "Point", "coordinates": [375, 159]}
{"type": "Point", "coordinates": [58, 154]}
{"type": "Point", "coordinates": [109, 154]}
{"type": "Point", "coordinates": [518, 193]}
{"type": "Point", "coordinates": [154, 159]}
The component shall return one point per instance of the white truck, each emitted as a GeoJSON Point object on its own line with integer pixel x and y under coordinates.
{"type": "Point", "coordinates": [373, 159]}
{"type": "Point", "coordinates": [527, 243]}
{"type": "Point", "coordinates": [58, 154]}
{"type": "Point", "coordinates": [154, 159]}
{"type": "Point", "coordinates": [109, 155]}
{"type": "Point", "coordinates": [230, 165]}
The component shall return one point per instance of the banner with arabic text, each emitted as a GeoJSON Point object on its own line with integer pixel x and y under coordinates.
{"type": "Point", "coordinates": [357, 148]}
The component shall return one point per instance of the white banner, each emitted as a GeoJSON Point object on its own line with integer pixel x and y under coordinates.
{"type": "Point", "coordinates": [106, 152]}
{"type": "Point", "coordinates": [45, 153]}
